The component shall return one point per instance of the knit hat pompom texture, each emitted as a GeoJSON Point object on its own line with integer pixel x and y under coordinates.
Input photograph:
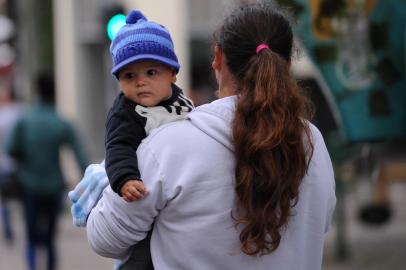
{"type": "Point", "coordinates": [140, 39]}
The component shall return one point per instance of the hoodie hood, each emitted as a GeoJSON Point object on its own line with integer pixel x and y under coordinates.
{"type": "Point", "coordinates": [214, 119]}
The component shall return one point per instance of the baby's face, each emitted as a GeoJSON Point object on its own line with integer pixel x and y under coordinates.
{"type": "Point", "coordinates": [146, 83]}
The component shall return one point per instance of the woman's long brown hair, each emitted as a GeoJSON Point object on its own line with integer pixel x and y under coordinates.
{"type": "Point", "coordinates": [270, 134]}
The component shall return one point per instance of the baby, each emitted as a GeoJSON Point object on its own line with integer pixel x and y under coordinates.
{"type": "Point", "coordinates": [145, 64]}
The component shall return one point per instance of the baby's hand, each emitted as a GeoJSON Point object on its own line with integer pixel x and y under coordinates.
{"type": "Point", "coordinates": [133, 190]}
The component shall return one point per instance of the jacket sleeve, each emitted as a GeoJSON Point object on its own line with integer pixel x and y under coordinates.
{"type": "Point", "coordinates": [73, 141]}
{"type": "Point", "coordinates": [114, 225]}
{"type": "Point", "coordinates": [124, 133]}
{"type": "Point", "coordinates": [325, 171]}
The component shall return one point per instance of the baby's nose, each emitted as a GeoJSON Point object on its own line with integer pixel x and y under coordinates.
{"type": "Point", "coordinates": [140, 80]}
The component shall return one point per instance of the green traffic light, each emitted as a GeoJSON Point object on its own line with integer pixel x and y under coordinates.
{"type": "Point", "coordinates": [114, 24]}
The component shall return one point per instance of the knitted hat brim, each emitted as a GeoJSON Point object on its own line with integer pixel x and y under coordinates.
{"type": "Point", "coordinates": [146, 57]}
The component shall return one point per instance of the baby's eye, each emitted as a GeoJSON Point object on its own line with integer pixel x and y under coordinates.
{"type": "Point", "coordinates": [152, 72]}
{"type": "Point", "coordinates": [128, 76]}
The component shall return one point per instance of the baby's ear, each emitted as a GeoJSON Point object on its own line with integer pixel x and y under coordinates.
{"type": "Point", "coordinates": [173, 76]}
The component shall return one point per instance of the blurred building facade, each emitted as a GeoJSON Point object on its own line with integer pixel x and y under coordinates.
{"type": "Point", "coordinates": [68, 39]}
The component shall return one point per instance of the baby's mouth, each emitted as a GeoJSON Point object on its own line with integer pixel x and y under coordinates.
{"type": "Point", "coordinates": [144, 94]}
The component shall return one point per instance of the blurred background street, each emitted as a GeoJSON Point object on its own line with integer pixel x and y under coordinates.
{"type": "Point", "coordinates": [351, 61]}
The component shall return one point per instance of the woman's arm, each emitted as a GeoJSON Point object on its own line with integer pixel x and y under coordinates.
{"type": "Point", "coordinates": [114, 225]}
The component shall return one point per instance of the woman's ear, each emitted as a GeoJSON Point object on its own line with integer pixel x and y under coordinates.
{"type": "Point", "coordinates": [218, 58]}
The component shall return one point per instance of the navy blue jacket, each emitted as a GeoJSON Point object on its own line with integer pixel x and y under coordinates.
{"type": "Point", "coordinates": [128, 124]}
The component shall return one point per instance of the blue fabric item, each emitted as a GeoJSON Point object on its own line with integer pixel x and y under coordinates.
{"type": "Point", "coordinates": [87, 193]}
{"type": "Point", "coordinates": [140, 39]}
{"type": "Point", "coordinates": [117, 264]}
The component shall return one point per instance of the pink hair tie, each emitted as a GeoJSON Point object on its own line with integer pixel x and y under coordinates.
{"type": "Point", "coordinates": [261, 47]}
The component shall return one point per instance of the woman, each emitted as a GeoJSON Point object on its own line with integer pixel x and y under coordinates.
{"type": "Point", "coordinates": [247, 182]}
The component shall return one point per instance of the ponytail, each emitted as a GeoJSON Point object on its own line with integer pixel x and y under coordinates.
{"type": "Point", "coordinates": [271, 137]}
{"type": "Point", "coordinates": [270, 152]}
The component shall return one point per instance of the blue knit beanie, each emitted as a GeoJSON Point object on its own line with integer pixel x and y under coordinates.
{"type": "Point", "coordinates": [140, 39]}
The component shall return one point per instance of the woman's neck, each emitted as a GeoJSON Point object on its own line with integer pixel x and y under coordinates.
{"type": "Point", "coordinates": [227, 83]}
{"type": "Point", "coordinates": [226, 91]}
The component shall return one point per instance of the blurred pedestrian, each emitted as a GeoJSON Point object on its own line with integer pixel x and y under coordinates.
{"type": "Point", "coordinates": [10, 110]}
{"type": "Point", "coordinates": [246, 182]}
{"type": "Point", "coordinates": [35, 143]}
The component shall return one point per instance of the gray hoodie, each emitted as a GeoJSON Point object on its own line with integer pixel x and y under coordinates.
{"type": "Point", "coordinates": [188, 169]}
